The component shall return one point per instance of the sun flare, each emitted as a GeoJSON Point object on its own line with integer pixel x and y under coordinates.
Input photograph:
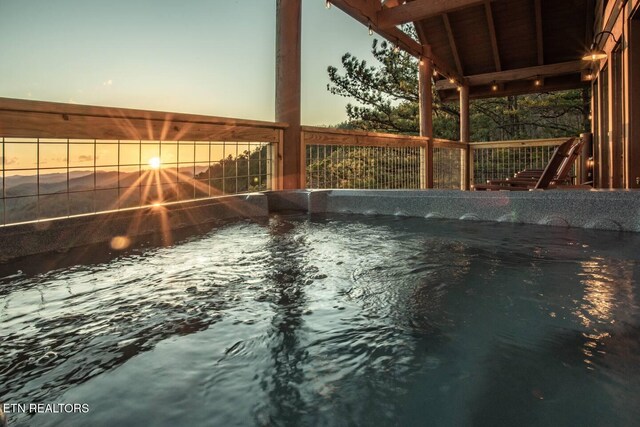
{"type": "Point", "coordinates": [155, 162]}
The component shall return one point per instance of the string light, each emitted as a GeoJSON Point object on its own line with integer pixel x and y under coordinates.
{"type": "Point", "coordinates": [370, 29]}
{"type": "Point", "coordinates": [494, 86]}
{"type": "Point", "coordinates": [396, 48]}
{"type": "Point", "coordinates": [327, 4]}
{"type": "Point", "coordinates": [452, 80]}
{"type": "Point", "coordinates": [537, 81]}
{"type": "Point", "coordinates": [421, 61]}
{"type": "Point", "coordinates": [435, 72]}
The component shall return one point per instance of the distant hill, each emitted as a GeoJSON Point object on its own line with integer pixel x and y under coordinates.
{"type": "Point", "coordinates": [24, 185]}
{"type": "Point", "coordinates": [55, 202]}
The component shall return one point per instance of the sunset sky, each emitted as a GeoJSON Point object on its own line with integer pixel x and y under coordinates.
{"type": "Point", "coordinates": [201, 56]}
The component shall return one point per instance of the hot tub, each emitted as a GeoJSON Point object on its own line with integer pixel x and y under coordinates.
{"type": "Point", "coordinates": [329, 319]}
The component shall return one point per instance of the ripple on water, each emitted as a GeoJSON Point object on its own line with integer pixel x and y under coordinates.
{"type": "Point", "coordinates": [332, 320]}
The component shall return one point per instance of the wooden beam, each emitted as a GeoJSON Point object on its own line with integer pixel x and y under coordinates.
{"type": "Point", "coordinates": [517, 74]}
{"type": "Point", "coordinates": [452, 44]}
{"type": "Point", "coordinates": [589, 22]}
{"type": "Point", "coordinates": [426, 119]}
{"type": "Point", "coordinates": [633, 141]}
{"type": "Point", "coordinates": [492, 35]}
{"type": "Point", "coordinates": [566, 82]}
{"type": "Point", "coordinates": [418, 10]}
{"type": "Point", "coordinates": [464, 135]}
{"type": "Point", "coordinates": [464, 113]}
{"type": "Point", "coordinates": [365, 12]}
{"type": "Point", "coordinates": [362, 11]}
{"type": "Point", "coordinates": [288, 78]}
{"type": "Point", "coordinates": [539, 37]}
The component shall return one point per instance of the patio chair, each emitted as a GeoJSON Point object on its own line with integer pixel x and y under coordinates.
{"type": "Point", "coordinates": [555, 174]}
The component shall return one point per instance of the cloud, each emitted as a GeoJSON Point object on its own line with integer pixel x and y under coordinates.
{"type": "Point", "coordinates": [85, 158]}
{"type": "Point", "coordinates": [56, 160]}
{"type": "Point", "coordinates": [107, 83]}
{"type": "Point", "coordinates": [8, 160]}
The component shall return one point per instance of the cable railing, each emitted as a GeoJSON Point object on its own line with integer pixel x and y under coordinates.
{"type": "Point", "coordinates": [502, 159]}
{"type": "Point", "coordinates": [449, 164]}
{"type": "Point", "coordinates": [61, 160]}
{"type": "Point", "coordinates": [335, 158]}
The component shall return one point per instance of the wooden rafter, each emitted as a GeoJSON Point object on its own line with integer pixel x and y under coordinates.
{"type": "Point", "coordinates": [492, 35]}
{"type": "Point", "coordinates": [452, 44]}
{"type": "Point", "coordinates": [518, 74]}
{"type": "Point", "coordinates": [539, 37]}
{"type": "Point", "coordinates": [588, 33]}
{"type": "Point", "coordinates": [365, 11]}
{"type": "Point", "coordinates": [418, 10]}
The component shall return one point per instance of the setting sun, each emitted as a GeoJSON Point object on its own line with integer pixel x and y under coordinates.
{"type": "Point", "coordinates": [155, 162]}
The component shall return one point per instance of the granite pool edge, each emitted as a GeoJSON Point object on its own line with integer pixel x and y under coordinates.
{"type": "Point", "coordinates": [60, 234]}
{"type": "Point", "coordinates": [589, 209]}
{"type": "Point", "coordinates": [596, 210]}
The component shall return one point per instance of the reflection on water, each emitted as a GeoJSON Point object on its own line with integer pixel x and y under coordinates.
{"type": "Point", "coordinates": [287, 279]}
{"type": "Point", "coordinates": [332, 321]}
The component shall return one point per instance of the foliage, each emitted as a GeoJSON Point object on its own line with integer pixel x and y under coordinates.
{"type": "Point", "coordinates": [386, 100]}
{"type": "Point", "coordinates": [245, 172]}
{"type": "Point", "coordinates": [363, 167]}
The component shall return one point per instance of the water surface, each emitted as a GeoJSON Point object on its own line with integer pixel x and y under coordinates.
{"type": "Point", "coordinates": [331, 320]}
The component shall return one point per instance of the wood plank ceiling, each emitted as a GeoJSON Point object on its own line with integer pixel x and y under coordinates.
{"type": "Point", "coordinates": [496, 47]}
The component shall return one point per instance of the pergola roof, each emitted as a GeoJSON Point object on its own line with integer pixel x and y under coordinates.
{"type": "Point", "coordinates": [482, 43]}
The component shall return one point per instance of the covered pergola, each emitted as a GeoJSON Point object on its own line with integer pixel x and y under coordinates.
{"type": "Point", "coordinates": [468, 48]}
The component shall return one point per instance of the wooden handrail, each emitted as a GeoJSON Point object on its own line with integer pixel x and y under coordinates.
{"type": "Point", "coordinates": [39, 119]}
{"type": "Point", "coordinates": [518, 143]}
{"type": "Point", "coordinates": [329, 136]}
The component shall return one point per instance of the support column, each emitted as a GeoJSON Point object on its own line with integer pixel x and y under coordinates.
{"type": "Point", "coordinates": [288, 51]}
{"type": "Point", "coordinates": [464, 136]}
{"type": "Point", "coordinates": [426, 117]}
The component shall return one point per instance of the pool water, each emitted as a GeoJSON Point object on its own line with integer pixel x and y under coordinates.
{"type": "Point", "coordinates": [331, 320]}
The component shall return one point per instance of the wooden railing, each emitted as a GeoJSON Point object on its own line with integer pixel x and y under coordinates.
{"type": "Point", "coordinates": [498, 160]}
{"type": "Point", "coordinates": [449, 164]}
{"type": "Point", "coordinates": [62, 160]}
{"type": "Point", "coordinates": [334, 158]}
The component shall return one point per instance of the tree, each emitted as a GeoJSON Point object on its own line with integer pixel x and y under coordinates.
{"type": "Point", "coordinates": [386, 100]}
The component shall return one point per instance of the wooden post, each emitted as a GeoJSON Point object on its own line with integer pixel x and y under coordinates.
{"type": "Point", "coordinates": [633, 90]}
{"type": "Point", "coordinates": [464, 135]}
{"type": "Point", "coordinates": [288, 51]}
{"type": "Point", "coordinates": [426, 117]}
{"type": "Point", "coordinates": [584, 171]}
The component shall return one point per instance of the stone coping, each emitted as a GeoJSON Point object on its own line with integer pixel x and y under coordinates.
{"type": "Point", "coordinates": [126, 226]}
{"type": "Point", "coordinates": [592, 209]}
